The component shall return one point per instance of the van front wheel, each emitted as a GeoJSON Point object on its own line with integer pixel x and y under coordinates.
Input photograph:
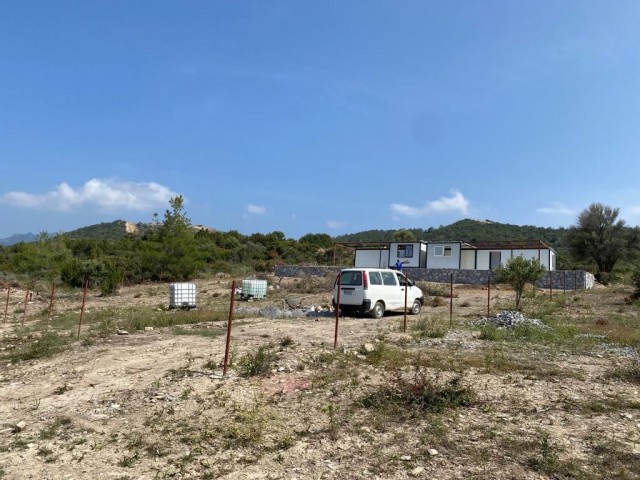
{"type": "Point", "coordinates": [378, 310]}
{"type": "Point", "coordinates": [415, 308]}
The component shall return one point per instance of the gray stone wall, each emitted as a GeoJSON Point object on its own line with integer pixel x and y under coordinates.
{"type": "Point", "coordinates": [558, 279]}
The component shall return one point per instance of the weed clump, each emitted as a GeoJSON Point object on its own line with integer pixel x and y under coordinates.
{"type": "Point", "coordinates": [423, 391]}
{"type": "Point", "coordinates": [47, 345]}
{"type": "Point", "coordinates": [259, 363]}
{"type": "Point", "coordinates": [629, 373]}
{"type": "Point", "coordinates": [424, 328]}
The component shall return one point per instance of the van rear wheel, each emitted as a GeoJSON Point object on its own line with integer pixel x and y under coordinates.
{"type": "Point", "coordinates": [378, 310]}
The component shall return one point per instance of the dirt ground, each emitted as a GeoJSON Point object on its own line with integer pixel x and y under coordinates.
{"type": "Point", "coordinates": [154, 404]}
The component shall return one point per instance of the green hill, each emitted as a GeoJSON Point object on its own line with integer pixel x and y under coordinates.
{"type": "Point", "coordinates": [108, 231]}
{"type": "Point", "coordinates": [467, 230]}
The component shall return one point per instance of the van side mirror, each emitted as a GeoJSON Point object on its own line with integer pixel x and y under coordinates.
{"type": "Point", "coordinates": [411, 283]}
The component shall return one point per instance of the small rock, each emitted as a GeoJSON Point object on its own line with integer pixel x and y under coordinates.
{"type": "Point", "coordinates": [405, 458]}
{"type": "Point", "coordinates": [121, 332]}
{"type": "Point", "coordinates": [417, 471]}
{"type": "Point", "coordinates": [433, 452]}
{"type": "Point", "coordinates": [18, 427]}
{"type": "Point", "coordinates": [148, 329]}
{"type": "Point", "coordinates": [368, 347]}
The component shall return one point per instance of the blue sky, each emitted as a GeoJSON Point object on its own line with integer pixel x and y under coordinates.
{"type": "Point", "coordinates": [317, 116]}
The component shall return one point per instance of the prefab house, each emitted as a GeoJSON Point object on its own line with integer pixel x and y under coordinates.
{"type": "Point", "coordinates": [443, 255]}
{"type": "Point", "coordinates": [491, 255]}
{"type": "Point", "coordinates": [372, 257]}
{"type": "Point", "coordinates": [454, 254]}
{"type": "Point", "coordinates": [411, 254]}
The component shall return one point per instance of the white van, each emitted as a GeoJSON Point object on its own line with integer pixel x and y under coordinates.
{"type": "Point", "coordinates": [374, 291]}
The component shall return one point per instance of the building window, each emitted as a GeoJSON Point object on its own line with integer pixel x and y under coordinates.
{"type": "Point", "coordinates": [405, 251]}
{"type": "Point", "coordinates": [442, 251]}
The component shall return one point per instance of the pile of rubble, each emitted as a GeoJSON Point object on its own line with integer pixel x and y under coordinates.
{"type": "Point", "coordinates": [509, 319]}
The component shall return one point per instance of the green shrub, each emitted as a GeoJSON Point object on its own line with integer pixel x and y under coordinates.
{"type": "Point", "coordinates": [424, 392]}
{"type": "Point", "coordinates": [259, 363]}
{"type": "Point", "coordinates": [47, 345]}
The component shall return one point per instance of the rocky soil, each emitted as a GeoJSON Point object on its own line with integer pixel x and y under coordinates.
{"type": "Point", "coordinates": [153, 403]}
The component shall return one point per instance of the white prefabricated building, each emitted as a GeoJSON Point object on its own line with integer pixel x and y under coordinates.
{"type": "Point", "coordinates": [454, 254]}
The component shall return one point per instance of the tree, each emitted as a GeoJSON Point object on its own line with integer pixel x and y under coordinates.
{"type": "Point", "coordinates": [518, 272]}
{"type": "Point", "coordinates": [600, 237]}
{"type": "Point", "coordinates": [178, 247]}
{"type": "Point", "coordinates": [403, 235]}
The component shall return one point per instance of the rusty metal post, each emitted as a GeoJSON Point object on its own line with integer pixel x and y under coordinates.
{"type": "Point", "coordinates": [451, 302]}
{"type": "Point", "coordinates": [406, 290]}
{"type": "Point", "coordinates": [564, 282]}
{"type": "Point", "coordinates": [335, 333]}
{"type": "Point", "coordinates": [85, 285]}
{"type": "Point", "coordinates": [488, 294]}
{"type": "Point", "coordinates": [6, 306]}
{"type": "Point", "coordinates": [575, 281]}
{"type": "Point", "coordinates": [228, 342]}
{"type": "Point", "coordinates": [26, 300]}
{"type": "Point", "coordinates": [53, 293]}
{"type": "Point", "coordinates": [550, 286]}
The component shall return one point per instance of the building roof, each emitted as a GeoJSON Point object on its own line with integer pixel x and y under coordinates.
{"type": "Point", "coordinates": [507, 245]}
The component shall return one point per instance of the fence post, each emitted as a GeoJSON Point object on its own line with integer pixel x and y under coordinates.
{"type": "Point", "coordinates": [550, 286]}
{"type": "Point", "coordinates": [26, 299]}
{"type": "Point", "coordinates": [53, 293]}
{"type": "Point", "coordinates": [335, 334]}
{"type": "Point", "coordinates": [451, 301]}
{"type": "Point", "coordinates": [85, 285]}
{"type": "Point", "coordinates": [228, 341]}
{"type": "Point", "coordinates": [489, 294]}
{"type": "Point", "coordinates": [406, 289]}
{"type": "Point", "coordinates": [6, 306]}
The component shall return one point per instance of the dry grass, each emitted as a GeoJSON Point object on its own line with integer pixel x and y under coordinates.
{"type": "Point", "coordinates": [444, 400]}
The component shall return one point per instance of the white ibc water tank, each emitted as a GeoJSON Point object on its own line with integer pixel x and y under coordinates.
{"type": "Point", "coordinates": [254, 288]}
{"type": "Point", "coordinates": [182, 295]}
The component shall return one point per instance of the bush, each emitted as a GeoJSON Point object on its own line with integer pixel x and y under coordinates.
{"type": "Point", "coordinates": [259, 363]}
{"type": "Point", "coordinates": [635, 281]}
{"type": "Point", "coordinates": [423, 391]}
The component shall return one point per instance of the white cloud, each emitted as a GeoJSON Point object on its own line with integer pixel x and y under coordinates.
{"type": "Point", "coordinates": [556, 209]}
{"type": "Point", "coordinates": [631, 212]}
{"type": "Point", "coordinates": [335, 224]}
{"type": "Point", "coordinates": [443, 204]}
{"type": "Point", "coordinates": [256, 209]}
{"type": "Point", "coordinates": [106, 194]}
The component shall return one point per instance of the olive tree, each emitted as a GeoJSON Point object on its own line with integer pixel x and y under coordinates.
{"type": "Point", "coordinates": [599, 237]}
{"type": "Point", "coordinates": [519, 271]}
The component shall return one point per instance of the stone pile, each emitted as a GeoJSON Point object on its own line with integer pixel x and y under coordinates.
{"type": "Point", "coordinates": [509, 319]}
{"type": "Point", "coordinates": [274, 312]}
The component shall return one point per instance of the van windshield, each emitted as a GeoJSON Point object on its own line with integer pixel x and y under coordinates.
{"type": "Point", "coordinates": [351, 278]}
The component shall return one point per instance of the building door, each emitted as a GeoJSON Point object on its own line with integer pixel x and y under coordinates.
{"type": "Point", "coordinates": [494, 260]}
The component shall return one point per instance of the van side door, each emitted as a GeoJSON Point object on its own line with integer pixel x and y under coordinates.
{"type": "Point", "coordinates": [393, 294]}
{"type": "Point", "coordinates": [402, 279]}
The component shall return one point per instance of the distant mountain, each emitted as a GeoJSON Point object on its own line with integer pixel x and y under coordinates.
{"type": "Point", "coordinates": [17, 238]}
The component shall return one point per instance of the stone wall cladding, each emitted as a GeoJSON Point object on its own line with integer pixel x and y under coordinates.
{"type": "Point", "coordinates": [558, 279]}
